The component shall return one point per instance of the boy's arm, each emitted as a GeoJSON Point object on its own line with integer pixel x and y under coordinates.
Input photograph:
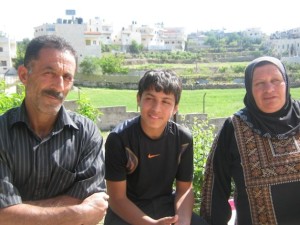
{"type": "Point", "coordinates": [184, 202]}
{"type": "Point", "coordinates": [127, 210]}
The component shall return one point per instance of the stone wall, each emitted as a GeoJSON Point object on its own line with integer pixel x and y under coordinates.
{"type": "Point", "coordinates": [111, 116]}
{"type": "Point", "coordinates": [134, 86]}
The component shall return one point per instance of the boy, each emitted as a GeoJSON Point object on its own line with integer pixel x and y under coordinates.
{"type": "Point", "coordinates": [146, 154]}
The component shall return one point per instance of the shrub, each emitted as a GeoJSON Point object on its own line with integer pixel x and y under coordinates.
{"type": "Point", "coordinates": [90, 66]}
{"type": "Point", "coordinates": [203, 134]}
{"type": "Point", "coordinates": [86, 108]}
{"type": "Point", "coordinates": [112, 64]}
{"type": "Point", "coordinates": [8, 101]}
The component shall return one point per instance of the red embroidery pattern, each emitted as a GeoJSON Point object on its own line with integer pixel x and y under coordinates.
{"type": "Point", "coordinates": [265, 162]}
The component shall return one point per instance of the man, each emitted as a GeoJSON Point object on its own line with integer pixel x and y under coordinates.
{"type": "Point", "coordinates": [146, 154]}
{"type": "Point", "coordinates": [51, 163]}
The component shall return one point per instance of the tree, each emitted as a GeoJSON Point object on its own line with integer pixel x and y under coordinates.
{"type": "Point", "coordinates": [112, 64]}
{"type": "Point", "coordinates": [21, 48]}
{"type": "Point", "coordinates": [90, 65]}
{"type": "Point", "coordinates": [110, 48]}
{"type": "Point", "coordinates": [135, 48]}
{"type": "Point", "coordinates": [212, 41]}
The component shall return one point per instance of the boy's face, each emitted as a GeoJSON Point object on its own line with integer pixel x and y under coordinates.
{"type": "Point", "coordinates": [156, 109]}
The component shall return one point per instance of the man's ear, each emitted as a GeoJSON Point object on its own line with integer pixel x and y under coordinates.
{"type": "Point", "coordinates": [23, 74]}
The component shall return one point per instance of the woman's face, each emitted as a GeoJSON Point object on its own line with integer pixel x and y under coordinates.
{"type": "Point", "coordinates": [268, 88]}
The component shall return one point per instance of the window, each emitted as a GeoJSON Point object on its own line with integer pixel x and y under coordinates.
{"type": "Point", "coordinates": [3, 63]}
{"type": "Point", "coordinates": [87, 42]}
{"type": "Point", "coordinates": [1, 49]}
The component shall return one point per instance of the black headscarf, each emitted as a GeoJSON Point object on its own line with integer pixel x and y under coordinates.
{"type": "Point", "coordinates": [281, 124]}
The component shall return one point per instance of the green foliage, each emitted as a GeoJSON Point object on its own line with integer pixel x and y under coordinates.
{"type": "Point", "coordinates": [21, 48]}
{"type": "Point", "coordinates": [238, 68]}
{"type": "Point", "coordinates": [90, 66]}
{"type": "Point", "coordinates": [2, 86]}
{"type": "Point", "coordinates": [203, 134]}
{"type": "Point", "coordinates": [8, 101]}
{"type": "Point", "coordinates": [223, 69]}
{"type": "Point", "coordinates": [112, 64]}
{"type": "Point", "coordinates": [85, 108]}
{"type": "Point", "coordinates": [135, 47]}
{"type": "Point", "coordinates": [212, 42]}
{"type": "Point", "coordinates": [110, 48]}
{"type": "Point", "coordinates": [107, 64]}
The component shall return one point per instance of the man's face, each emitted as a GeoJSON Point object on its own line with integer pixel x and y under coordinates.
{"type": "Point", "coordinates": [48, 80]}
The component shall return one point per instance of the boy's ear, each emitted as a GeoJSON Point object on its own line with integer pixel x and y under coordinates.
{"type": "Point", "coordinates": [138, 99]}
{"type": "Point", "coordinates": [175, 110]}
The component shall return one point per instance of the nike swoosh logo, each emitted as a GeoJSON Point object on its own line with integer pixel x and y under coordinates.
{"type": "Point", "coordinates": [150, 156]}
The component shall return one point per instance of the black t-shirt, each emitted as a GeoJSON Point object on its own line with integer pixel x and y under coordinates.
{"type": "Point", "coordinates": [149, 166]}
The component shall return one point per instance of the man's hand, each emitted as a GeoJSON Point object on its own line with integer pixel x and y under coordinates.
{"type": "Point", "coordinates": [96, 206]}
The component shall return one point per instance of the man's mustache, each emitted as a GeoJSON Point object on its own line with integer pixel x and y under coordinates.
{"type": "Point", "coordinates": [55, 94]}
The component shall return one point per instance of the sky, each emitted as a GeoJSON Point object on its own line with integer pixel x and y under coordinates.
{"type": "Point", "coordinates": [19, 17]}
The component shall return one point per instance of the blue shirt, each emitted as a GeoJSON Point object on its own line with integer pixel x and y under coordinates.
{"type": "Point", "coordinates": [69, 161]}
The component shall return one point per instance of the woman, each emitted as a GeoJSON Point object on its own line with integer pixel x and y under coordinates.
{"type": "Point", "coordinates": [258, 147]}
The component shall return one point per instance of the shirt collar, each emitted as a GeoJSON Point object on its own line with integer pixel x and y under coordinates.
{"type": "Point", "coordinates": [20, 116]}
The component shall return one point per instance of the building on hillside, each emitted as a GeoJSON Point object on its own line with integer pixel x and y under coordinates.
{"type": "Point", "coordinates": [196, 41]}
{"type": "Point", "coordinates": [154, 38]}
{"type": "Point", "coordinates": [8, 51]}
{"type": "Point", "coordinates": [102, 28]}
{"type": "Point", "coordinates": [286, 43]}
{"type": "Point", "coordinates": [175, 38]}
{"type": "Point", "coordinates": [253, 33]}
{"type": "Point", "coordinates": [86, 38]}
{"type": "Point", "coordinates": [126, 36]}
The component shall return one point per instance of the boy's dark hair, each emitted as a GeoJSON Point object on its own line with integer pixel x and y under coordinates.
{"type": "Point", "coordinates": [46, 41]}
{"type": "Point", "coordinates": [161, 80]}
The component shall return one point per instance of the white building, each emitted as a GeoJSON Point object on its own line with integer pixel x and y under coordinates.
{"type": "Point", "coordinates": [8, 49]}
{"type": "Point", "coordinates": [286, 43]}
{"type": "Point", "coordinates": [102, 28]}
{"type": "Point", "coordinates": [86, 38]}
{"type": "Point", "coordinates": [175, 38]}
{"type": "Point", "coordinates": [253, 33]}
{"type": "Point", "coordinates": [125, 37]}
{"type": "Point", "coordinates": [154, 37]}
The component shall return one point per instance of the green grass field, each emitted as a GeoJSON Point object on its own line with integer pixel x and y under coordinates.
{"type": "Point", "coordinates": [217, 102]}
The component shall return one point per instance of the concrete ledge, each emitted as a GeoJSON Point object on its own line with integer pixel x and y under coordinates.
{"type": "Point", "coordinates": [111, 116]}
